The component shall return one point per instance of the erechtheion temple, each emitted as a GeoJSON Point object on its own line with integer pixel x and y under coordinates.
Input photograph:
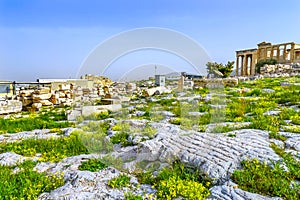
{"type": "Point", "coordinates": [285, 53]}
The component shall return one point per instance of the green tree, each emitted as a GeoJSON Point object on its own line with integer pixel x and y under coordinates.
{"type": "Point", "coordinates": [261, 63]}
{"type": "Point", "coordinates": [220, 70]}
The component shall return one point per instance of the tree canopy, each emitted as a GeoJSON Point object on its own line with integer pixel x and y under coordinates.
{"type": "Point", "coordinates": [220, 70]}
{"type": "Point", "coordinates": [261, 63]}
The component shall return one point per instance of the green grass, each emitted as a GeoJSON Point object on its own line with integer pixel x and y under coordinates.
{"type": "Point", "coordinates": [53, 149]}
{"type": "Point", "coordinates": [292, 163]}
{"type": "Point", "coordinates": [121, 126]}
{"type": "Point", "coordinates": [148, 131]}
{"type": "Point", "coordinates": [98, 116]}
{"type": "Point", "coordinates": [92, 165]}
{"type": "Point", "coordinates": [274, 181]}
{"type": "Point", "coordinates": [266, 122]}
{"type": "Point", "coordinates": [56, 114]}
{"type": "Point", "coordinates": [296, 119]}
{"type": "Point", "coordinates": [293, 129]}
{"type": "Point", "coordinates": [96, 127]}
{"type": "Point", "coordinates": [27, 183]}
{"type": "Point", "coordinates": [275, 135]}
{"type": "Point", "coordinates": [121, 137]}
{"type": "Point", "coordinates": [121, 181]}
{"type": "Point", "coordinates": [288, 113]}
{"type": "Point", "coordinates": [177, 181]}
{"type": "Point", "coordinates": [31, 123]}
{"type": "Point", "coordinates": [260, 178]}
{"type": "Point", "coordinates": [130, 196]}
{"type": "Point", "coordinates": [175, 121]}
{"type": "Point", "coordinates": [222, 129]}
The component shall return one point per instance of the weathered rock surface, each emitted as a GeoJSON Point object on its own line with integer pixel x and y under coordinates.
{"type": "Point", "coordinates": [233, 125]}
{"type": "Point", "coordinates": [85, 184]}
{"type": "Point", "coordinates": [217, 155]}
{"type": "Point", "coordinates": [229, 191]}
{"type": "Point", "coordinates": [37, 134]}
{"type": "Point", "coordinates": [10, 159]}
{"type": "Point", "coordinates": [292, 142]}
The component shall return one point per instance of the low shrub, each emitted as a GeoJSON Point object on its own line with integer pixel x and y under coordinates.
{"type": "Point", "coordinates": [255, 92]}
{"type": "Point", "coordinates": [53, 149]}
{"type": "Point", "coordinates": [266, 122]}
{"type": "Point", "coordinates": [175, 187]}
{"type": "Point", "coordinates": [277, 136]}
{"type": "Point", "coordinates": [204, 108]}
{"type": "Point", "coordinates": [222, 129]}
{"type": "Point", "coordinates": [92, 165]}
{"type": "Point", "coordinates": [288, 113]}
{"type": "Point", "coordinates": [292, 129]}
{"type": "Point", "coordinates": [261, 178]}
{"type": "Point", "coordinates": [177, 180]}
{"type": "Point", "coordinates": [96, 127]}
{"type": "Point", "coordinates": [122, 138]}
{"type": "Point", "coordinates": [261, 63]}
{"type": "Point", "coordinates": [121, 126]}
{"type": "Point", "coordinates": [120, 181]}
{"type": "Point", "coordinates": [130, 196]}
{"type": "Point", "coordinates": [113, 161]}
{"type": "Point", "coordinates": [30, 123]}
{"type": "Point", "coordinates": [56, 130]}
{"type": "Point", "coordinates": [27, 183]}
{"type": "Point", "coordinates": [291, 162]}
{"type": "Point", "coordinates": [95, 142]}
{"type": "Point", "coordinates": [296, 119]}
{"type": "Point", "coordinates": [236, 108]}
{"type": "Point", "coordinates": [98, 116]}
{"type": "Point", "coordinates": [148, 131]}
{"type": "Point", "coordinates": [175, 121]}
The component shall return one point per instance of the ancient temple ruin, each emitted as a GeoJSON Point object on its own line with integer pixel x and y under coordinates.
{"type": "Point", "coordinates": [285, 53]}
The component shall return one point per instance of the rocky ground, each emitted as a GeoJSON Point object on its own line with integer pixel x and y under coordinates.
{"type": "Point", "coordinates": [216, 154]}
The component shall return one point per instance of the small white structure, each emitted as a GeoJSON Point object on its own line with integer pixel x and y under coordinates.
{"type": "Point", "coordinates": [160, 80]}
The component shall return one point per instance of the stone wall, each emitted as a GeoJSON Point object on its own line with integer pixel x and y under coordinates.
{"type": "Point", "coordinates": [215, 82]}
{"type": "Point", "coordinates": [280, 69]}
{"type": "Point", "coordinates": [10, 106]}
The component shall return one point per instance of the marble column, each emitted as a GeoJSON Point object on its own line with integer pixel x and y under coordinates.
{"type": "Point", "coordinates": [242, 65]}
{"type": "Point", "coordinates": [237, 65]}
{"type": "Point", "coordinates": [245, 65]}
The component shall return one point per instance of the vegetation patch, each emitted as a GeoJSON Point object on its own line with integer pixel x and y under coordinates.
{"type": "Point", "coordinates": [277, 136]}
{"type": "Point", "coordinates": [266, 122]}
{"type": "Point", "coordinates": [293, 129]}
{"type": "Point", "coordinates": [291, 162]}
{"type": "Point", "coordinates": [177, 181]}
{"type": "Point", "coordinates": [92, 165]}
{"type": "Point", "coordinates": [121, 181]}
{"type": "Point", "coordinates": [273, 181]}
{"type": "Point", "coordinates": [263, 179]}
{"type": "Point", "coordinates": [27, 183]}
{"type": "Point", "coordinates": [30, 123]}
{"type": "Point", "coordinates": [130, 196]}
{"type": "Point", "coordinates": [175, 121]}
{"type": "Point", "coordinates": [296, 119]}
{"type": "Point", "coordinates": [96, 127]}
{"type": "Point", "coordinates": [53, 149]}
{"type": "Point", "coordinates": [98, 116]}
{"type": "Point", "coordinates": [261, 63]}
{"type": "Point", "coordinates": [122, 138]}
{"type": "Point", "coordinates": [222, 129]}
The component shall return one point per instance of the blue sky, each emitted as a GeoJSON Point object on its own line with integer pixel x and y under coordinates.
{"type": "Point", "coordinates": [51, 38]}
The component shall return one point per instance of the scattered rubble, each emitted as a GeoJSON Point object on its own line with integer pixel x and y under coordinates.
{"type": "Point", "coordinates": [10, 106]}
